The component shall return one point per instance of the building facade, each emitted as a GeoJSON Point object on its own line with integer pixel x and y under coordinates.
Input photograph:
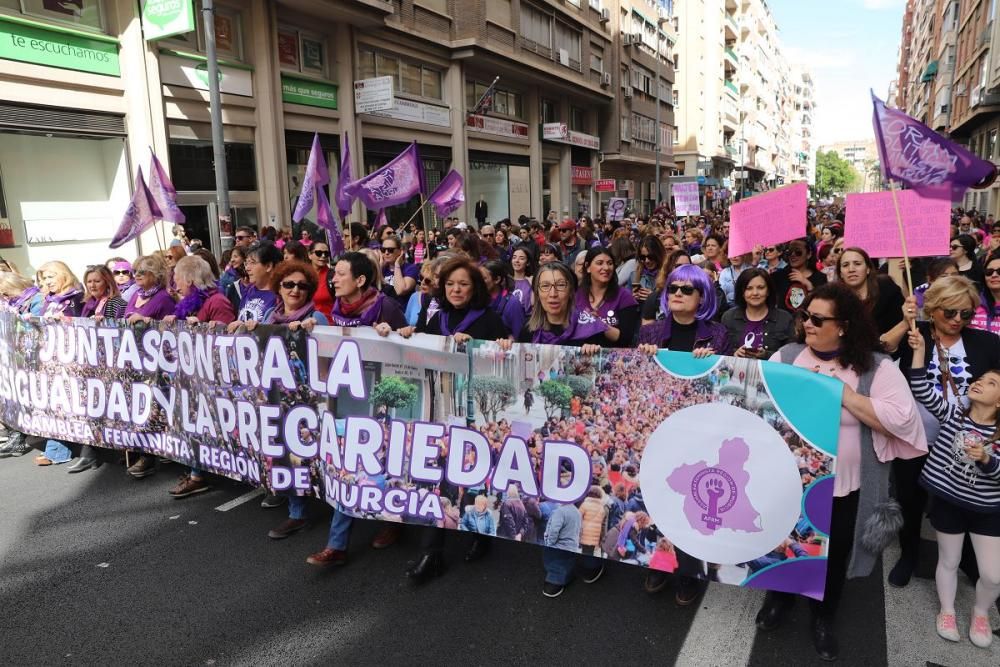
{"type": "Point", "coordinates": [84, 95]}
{"type": "Point", "coordinates": [864, 158]}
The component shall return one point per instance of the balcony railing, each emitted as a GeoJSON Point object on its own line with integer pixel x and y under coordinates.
{"type": "Point", "coordinates": [732, 55]}
{"type": "Point", "coordinates": [732, 87]}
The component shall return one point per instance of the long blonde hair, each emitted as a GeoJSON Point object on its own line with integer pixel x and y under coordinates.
{"type": "Point", "coordinates": [67, 279]}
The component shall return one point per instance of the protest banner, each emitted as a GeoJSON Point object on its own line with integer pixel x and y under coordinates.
{"type": "Point", "coordinates": [724, 467]}
{"type": "Point", "coordinates": [871, 224]}
{"type": "Point", "coordinates": [768, 218]}
{"type": "Point", "coordinates": [686, 200]}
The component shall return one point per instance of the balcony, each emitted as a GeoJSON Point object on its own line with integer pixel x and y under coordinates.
{"type": "Point", "coordinates": [732, 89]}
{"type": "Point", "coordinates": [731, 27]}
{"type": "Point", "coordinates": [731, 55]}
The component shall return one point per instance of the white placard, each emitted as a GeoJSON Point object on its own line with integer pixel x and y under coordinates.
{"type": "Point", "coordinates": [417, 112]}
{"type": "Point", "coordinates": [373, 94]}
{"type": "Point", "coordinates": [616, 208]}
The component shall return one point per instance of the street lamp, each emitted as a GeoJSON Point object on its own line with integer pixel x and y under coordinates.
{"type": "Point", "coordinates": [659, 135]}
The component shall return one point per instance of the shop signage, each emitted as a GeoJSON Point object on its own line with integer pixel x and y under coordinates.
{"type": "Point", "coordinates": [165, 18]}
{"type": "Point", "coordinates": [582, 175]}
{"type": "Point", "coordinates": [307, 92]}
{"type": "Point", "coordinates": [497, 126]}
{"type": "Point", "coordinates": [373, 94]}
{"type": "Point", "coordinates": [193, 73]}
{"type": "Point", "coordinates": [560, 133]}
{"type": "Point", "coordinates": [29, 44]}
{"type": "Point", "coordinates": [606, 185]}
{"type": "Point", "coordinates": [417, 112]}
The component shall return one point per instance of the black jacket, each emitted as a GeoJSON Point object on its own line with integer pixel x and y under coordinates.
{"type": "Point", "coordinates": [982, 349]}
{"type": "Point", "coordinates": [779, 328]}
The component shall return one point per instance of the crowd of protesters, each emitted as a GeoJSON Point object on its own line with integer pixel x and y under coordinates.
{"type": "Point", "coordinates": [921, 372]}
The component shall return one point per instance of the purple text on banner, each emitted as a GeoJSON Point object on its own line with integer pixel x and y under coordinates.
{"type": "Point", "coordinates": [871, 224]}
{"type": "Point", "coordinates": [769, 218]}
{"type": "Point", "coordinates": [686, 201]}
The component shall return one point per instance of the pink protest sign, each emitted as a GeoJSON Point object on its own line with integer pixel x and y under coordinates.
{"type": "Point", "coordinates": [767, 219]}
{"type": "Point", "coordinates": [871, 224]}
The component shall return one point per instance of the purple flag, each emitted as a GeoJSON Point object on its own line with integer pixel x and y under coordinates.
{"type": "Point", "coordinates": [380, 220]}
{"type": "Point", "coordinates": [141, 214]}
{"type": "Point", "coordinates": [448, 195]}
{"type": "Point", "coordinates": [920, 158]}
{"type": "Point", "coordinates": [317, 175]}
{"type": "Point", "coordinates": [393, 184]}
{"type": "Point", "coordinates": [343, 199]}
{"type": "Point", "coordinates": [325, 219]}
{"type": "Point", "coordinates": [163, 193]}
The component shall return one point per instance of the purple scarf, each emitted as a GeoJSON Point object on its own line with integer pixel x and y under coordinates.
{"type": "Point", "coordinates": [279, 316]}
{"type": "Point", "coordinates": [582, 325]}
{"type": "Point", "coordinates": [827, 356]}
{"type": "Point", "coordinates": [192, 303]}
{"type": "Point", "coordinates": [58, 303]}
{"type": "Point", "coordinates": [146, 295]}
{"type": "Point", "coordinates": [26, 296]}
{"type": "Point", "coordinates": [466, 322]}
{"type": "Point", "coordinates": [365, 319]}
{"type": "Point", "coordinates": [90, 307]}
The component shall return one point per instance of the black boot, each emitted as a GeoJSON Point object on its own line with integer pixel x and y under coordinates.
{"type": "Point", "coordinates": [902, 571]}
{"type": "Point", "coordinates": [824, 640]}
{"type": "Point", "coordinates": [479, 548]}
{"type": "Point", "coordinates": [428, 566]}
{"type": "Point", "coordinates": [772, 613]}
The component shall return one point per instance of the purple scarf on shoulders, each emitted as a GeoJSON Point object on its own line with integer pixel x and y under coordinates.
{"type": "Point", "coordinates": [90, 306]}
{"type": "Point", "coordinates": [582, 325]}
{"type": "Point", "coordinates": [25, 298]}
{"type": "Point", "coordinates": [466, 322]}
{"type": "Point", "coordinates": [366, 318]}
{"type": "Point", "coordinates": [192, 303]}
{"type": "Point", "coordinates": [59, 302]}
{"type": "Point", "coordinates": [279, 316]}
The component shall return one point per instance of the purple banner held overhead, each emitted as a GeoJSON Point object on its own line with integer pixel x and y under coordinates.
{"type": "Point", "coordinates": [316, 176]}
{"type": "Point", "coordinates": [394, 184]}
{"type": "Point", "coordinates": [164, 193]}
{"type": "Point", "coordinates": [449, 194]}
{"type": "Point", "coordinates": [141, 214]}
{"type": "Point", "coordinates": [343, 199]}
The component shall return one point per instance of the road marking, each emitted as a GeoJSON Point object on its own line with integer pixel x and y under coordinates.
{"type": "Point", "coordinates": [103, 564]}
{"type": "Point", "coordinates": [236, 502]}
{"type": "Point", "coordinates": [722, 633]}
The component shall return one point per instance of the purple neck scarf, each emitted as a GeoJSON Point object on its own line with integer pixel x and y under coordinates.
{"type": "Point", "coordinates": [279, 316]}
{"type": "Point", "coordinates": [365, 319]}
{"type": "Point", "coordinates": [146, 295]}
{"type": "Point", "coordinates": [466, 322]}
{"type": "Point", "coordinates": [90, 306]}
{"type": "Point", "coordinates": [826, 356]}
{"type": "Point", "coordinates": [582, 325]}
{"type": "Point", "coordinates": [26, 296]}
{"type": "Point", "coordinates": [192, 303]}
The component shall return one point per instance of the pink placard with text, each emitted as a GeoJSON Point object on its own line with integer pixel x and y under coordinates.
{"type": "Point", "coordinates": [871, 224]}
{"type": "Point", "coordinates": [767, 219]}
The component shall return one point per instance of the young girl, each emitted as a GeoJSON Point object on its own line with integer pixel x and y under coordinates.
{"type": "Point", "coordinates": [962, 474]}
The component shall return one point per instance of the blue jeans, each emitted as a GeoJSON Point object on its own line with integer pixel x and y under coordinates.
{"type": "Point", "coordinates": [197, 473]}
{"type": "Point", "coordinates": [559, 564]}
{"type": "Point", "coordinates": [340, 531]}
{"type": "Point", "coordinates": [57, 452]}
{"type": "Point", "coordinates": [296, 507]}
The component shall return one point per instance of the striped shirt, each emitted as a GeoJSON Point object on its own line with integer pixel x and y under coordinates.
{"type": "Point", "coordinates": [948, 472]}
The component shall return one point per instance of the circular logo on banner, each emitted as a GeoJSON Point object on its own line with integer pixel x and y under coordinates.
{"type": "Point", "coordinates": [720, 483]}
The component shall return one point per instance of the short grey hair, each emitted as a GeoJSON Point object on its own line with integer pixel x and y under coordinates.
{"type": "Point", "coordinates": [195, 270]}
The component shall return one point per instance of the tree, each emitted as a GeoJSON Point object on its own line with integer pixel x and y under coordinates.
{"type": "Point", "coordinates": [834, 175]}
{"type": "Point", "coordinates": [492, 394]}
{"type": "Point", "coordinates": [557, 396]}
{"type": "Point", "coordinates": [393, 392]}
{"type": "Point", "coordinates": [580, 385]}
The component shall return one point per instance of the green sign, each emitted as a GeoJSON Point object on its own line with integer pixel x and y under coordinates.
{"type": "Point", "coordinates": [31, 44]}
{"type": "Point", "coordinates": [309, 93]}
{"type": "Point", "coordinates": [164, 18]}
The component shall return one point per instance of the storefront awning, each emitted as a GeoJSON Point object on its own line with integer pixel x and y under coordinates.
{"type": "Point", "coordinates": [929, 73]}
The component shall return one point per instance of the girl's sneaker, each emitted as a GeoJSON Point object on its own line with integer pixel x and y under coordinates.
{"type": "Point", "coordinates": [979, 631]}
{"type": "Point", "coordinates": [947, 627]}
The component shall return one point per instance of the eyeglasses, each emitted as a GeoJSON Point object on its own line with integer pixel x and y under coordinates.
{"type": "Point", "coordinates": [321, 253]}
{"type": "Point", "coordinates": [647, 258]}
{"type": "Point", "coordinates": [292, 284]}
{"type": "Point", "coordinates": [389, 250]}
{"type": "Point", "coordinates": [956, 246]}
{"type": "Point", "coordinates": [992, 272]}
{"type": "Point", "coordinates": [686, 290]}
{"type": "Point", "coordinates": [427, 280]}
{"type": "Point", "coordinates": [817, 320]}
{"type": "Point", "coordinates": [142, 272]}
{"type": "Point", "coordinates": [121, 272]}
{"type": "Point", "coordinates": [545, 288]}
{"type": "Point", "coordinates": [951, 313]}
{"type": "Point", "coordinates": [242, 237]}
{"type": "Point", "coordinates": [771, 249]}
{"type": "Point", "coordinates": [566, 231]}
{"type": "Point", "coordinates": [796, 252]}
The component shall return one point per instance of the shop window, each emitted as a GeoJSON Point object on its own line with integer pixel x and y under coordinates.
{"type": "Point", "coordinates": [192, 166]}
{"type": "Point", "coordinates": [79, 13]}
{"type": "Point", "coordinates": [228, 33]}
{"type": "Point", "coordinates": [299, 51]}
{"type": "Point", "coordinates": [410, 78]}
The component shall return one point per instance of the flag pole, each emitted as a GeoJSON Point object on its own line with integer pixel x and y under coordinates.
{"type": "Point", "coordinates": [415, 213]}
{"type": "Point", "coordinates": [902, 235]}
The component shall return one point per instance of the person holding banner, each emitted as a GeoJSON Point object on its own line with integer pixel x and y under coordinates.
{"type": "Point", "coordinates": [423, 300]}
{"type": "Point", "coordinates": [201, 300]}
{"type": "Point", "coordinates": [600, 294]}
{"type": "Point", "coordinates": [756, 327]}
{"type": "Point", "coordinates": [962, 474]}
{"type": "Point", "coordinates": [879, 423]}
{"type": "Point", "coordinates": [258, 300]}
{"type": "Point", "coordinates": [20, 294]}
{"type": "Point", "coordinates": [63, 292]}
{"type": "Point", "coordinates": [524, 264]}
{"type": "Point", "coordinates": [121, 269]}
{"type": "Point", "coordinates": [151, 302]}
{"type": "Point", "coordinates": [688, 302]}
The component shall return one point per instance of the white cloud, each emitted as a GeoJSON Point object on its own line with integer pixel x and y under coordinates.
{"type": "Point", "coordinates": [879, 5]}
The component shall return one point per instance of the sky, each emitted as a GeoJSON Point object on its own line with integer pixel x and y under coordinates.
{"type": "Point", "coordinates": [849, 46]}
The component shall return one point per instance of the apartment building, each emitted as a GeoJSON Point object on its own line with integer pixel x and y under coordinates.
{"type": "Point", "coordinates": [863, 156]}
{"type": "Point", "coordinates": [85, 92]}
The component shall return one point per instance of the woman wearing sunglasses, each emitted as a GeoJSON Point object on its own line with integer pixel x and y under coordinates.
{"type": "Point", "coordinates": [319, 257]}
{"type": "Point", "coordinates": [650, 309]}
{"type": "Point", "coordinates": [956, 353]}
{"type": "Point", "coordinates": [651, 256]}
{"type": "Point", "coordinates": [772, 260]}
{"type": "Point", "coordinates": [121, 270]}
{"type": "Point", "coordinates": [879, 423]}
{"type": "Point", "coordinates": [963, 251]}
{"type": "Point", "coordinates": [423, 301]}
{"type": "Point", "coordinates": [987, 315]}
{"type": "Point", "coordinates": [688, 302]}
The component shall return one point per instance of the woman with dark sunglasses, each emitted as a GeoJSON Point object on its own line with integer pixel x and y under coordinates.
{"type": "Point", "coordinates": [793, 283]}
{"type": "Point", "coordinates": [121, 270]}
{"type": "Point", "coordinates": [651, 256]}
{"type": "Point", "coordinates": [879, 423]}
{"type": "Point", "coordinates": [963, 251]}
{"type": "Point", "coordinates": [987, 315]}
{"type": "Point", "coordinates": [956, 353]}
{"type": "Point", "coordinates": [319, 257]}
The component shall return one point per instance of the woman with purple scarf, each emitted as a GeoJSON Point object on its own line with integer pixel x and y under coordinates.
{"type": "Point", "coordinates": [151, 302]}
{"type": "Point", "coordinates": [554, 319]}
{"type": "Point", "coordinates": [103, 298]}
{"type": "Point", "coordinates": [601, 295]}
{"type": "Point", "coordinates": [357, 302]}
{"type": "Point", "coordinates": [121, 269]}
{"type": "Point", "coordinates": [502, 299]}
{"type": "Point", "coordinates": [201, 300]}
{"type": "Point", "coordinates": [20, 294]}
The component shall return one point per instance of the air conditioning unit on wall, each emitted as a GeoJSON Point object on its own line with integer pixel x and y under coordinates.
{"type": "Point", "coordinates": [606, 79]}
{"type": "Point", "coordinates": [564, 57]}
{"type": "Point", "coordinates": [605, 15]}
{"type": "Point", "coordinates": [627, 93]}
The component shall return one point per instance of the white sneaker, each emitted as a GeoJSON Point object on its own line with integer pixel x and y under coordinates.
{"type": "Point", "coordinates": [979, 631]}
{"type": "Point", "coordinates": [947, 627]}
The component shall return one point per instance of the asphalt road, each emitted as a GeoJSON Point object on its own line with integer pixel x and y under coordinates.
{"type": "Point", "coordinates": [98, 568]}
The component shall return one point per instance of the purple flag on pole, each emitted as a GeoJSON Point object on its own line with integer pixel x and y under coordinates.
{"type": "Point", "coordinates": [343, 199]}
{"type": "Point", "coordinates": [918, 157]}
{"type": "Point", "coordinates": [164, 193]}
{"type": "Point", "coordinates": [380, 220]}
{"type": "Point", "coordinates": [325, 219]}
{"type": "Point", "coordinates": [393, 184]}
{"type": "Point", "coordinates": [317, 175]}
{"type": "Point", "coordinates": [448, 195]}
{"type": "Point", "coordinates": [141, 214]}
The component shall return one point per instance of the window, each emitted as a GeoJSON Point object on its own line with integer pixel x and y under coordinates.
{"type": "Point", "coordinates": [228, 34]}
{"type": "Point", "coordinates": [642, 80]}
{"type": "Point", "coordinates": [536, 26]}
{"type": "Point", "coordinates": [644, 132]}
{"type": "Point", "coordinates": [577, 120]}
{"type": "Point", "coordinates": [498, 11]}
{"type": "Point", "coordinates": [596, 60]}
{"type": "Point", "coordinates": [550, 113]}
{"type": "Point", "coordinates": [568, 40]}
{"type": "Point", "coordinates": [626, 132]}
{"type": "Point", "coordinates": [301, 52]}
{"type": "Point", "coordinates": [410, 78]}
{"type": "Point", "coordinates": [505, 102]}
{"type": "Point", "coordinates": [676, 98]}
{"type": "Point", "coordinates": [80, 13]}
{"type": "Point", "coordinates": [991, 145]}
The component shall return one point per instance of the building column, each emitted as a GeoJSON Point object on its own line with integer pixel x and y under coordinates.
{"type": "Point", "coordinates": [270, 139]}
{"type": "Point", "coordinates": [455, 87]}
{"type": "Point", "coordinates": [535, 166]}
{"type": "Point", "coordinates": [566, 194]}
